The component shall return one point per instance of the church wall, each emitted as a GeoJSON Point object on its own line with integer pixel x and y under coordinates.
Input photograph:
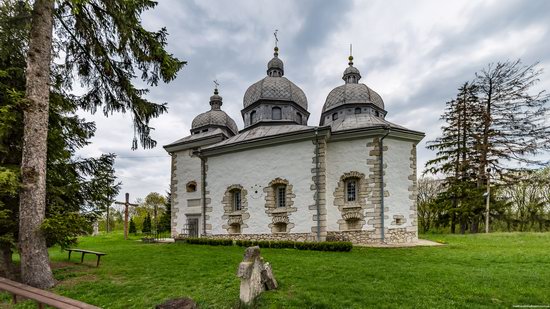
{"type": "Point", "coordinates": [345, 157]}
{"type": "Point", "coordinates": [253, 170]}
{"type": "Point", "coordinates": [400, 178]}
{"type": "Point", "coordinates": [185, 203]}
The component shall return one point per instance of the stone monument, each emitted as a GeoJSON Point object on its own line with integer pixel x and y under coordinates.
{"type": "Point", "coordinates": [256, 276]}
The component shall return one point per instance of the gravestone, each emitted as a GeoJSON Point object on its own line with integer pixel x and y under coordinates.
{"type": "Point", "coordinates": [256, 276]}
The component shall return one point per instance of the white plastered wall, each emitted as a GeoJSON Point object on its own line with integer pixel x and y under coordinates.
{"type": "Point", "coordinates": [398, 170]}
{"type": "Point", "coordinates": [188, 168]}
{"type": "Point", "coordinates": [254, 169]}
{"type": "Point", "coordinates": [344, 157]}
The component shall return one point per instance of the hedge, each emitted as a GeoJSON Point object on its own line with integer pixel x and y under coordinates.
{"type": "Point", "coordinates": [340, 246]}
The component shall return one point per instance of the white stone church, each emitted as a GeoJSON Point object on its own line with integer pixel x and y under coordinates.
{"type": "Point", "coordinates": [352, 177]}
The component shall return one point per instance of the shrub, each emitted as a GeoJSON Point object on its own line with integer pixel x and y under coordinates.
{"type": "Point", "coordinates": [339, 246]}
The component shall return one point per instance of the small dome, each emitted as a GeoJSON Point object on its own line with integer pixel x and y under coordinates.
{"type": "Point", "coordinates": [275, 88]}
{"type": "Point", "coordinates": [351, 70]}
{"type": "Point", "coordinates": [214, 118]}
{"type": "Point", "coordinates": [350, 94]}
{"type": "Point", "coordinates": [275, 63]}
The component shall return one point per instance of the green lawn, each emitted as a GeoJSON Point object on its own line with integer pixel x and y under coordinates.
{"type": "Point", "coordinates": [472, 271]}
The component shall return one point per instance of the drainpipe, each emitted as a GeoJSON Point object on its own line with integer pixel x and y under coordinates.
{"type": "Point", "coordinates": [203, 193]}
{"type": "Point", "coordinates": [382, 183]}
{"type": "Point", "coordinates": [317, 187]}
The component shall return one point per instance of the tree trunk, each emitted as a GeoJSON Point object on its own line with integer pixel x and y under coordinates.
{"type": "Point", "coordinates": [35, 267]}
{"type": "Point", "coordinates": [7, 268]}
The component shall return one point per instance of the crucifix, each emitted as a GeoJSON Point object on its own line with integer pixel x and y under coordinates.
{"type": "Point", "coordinates": [126, 204]}
{"type": "Point", "coordinates": [275, 35]}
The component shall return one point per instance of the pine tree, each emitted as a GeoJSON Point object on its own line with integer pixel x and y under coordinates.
{"type": "Point", "coordinates": [456, 157]}
{"type": "Point", "coordinates": [132, 227]}
{"type": "Point", "coordinates": [104, 44]}
{"type": "Point", "coordinates": [77, 190]}
{"type": "Point", "coordinates": [146, 229]}
{"type": "Point", "coordinates": [165, 219]}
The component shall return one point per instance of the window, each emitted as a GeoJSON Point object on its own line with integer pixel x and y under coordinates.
{"type": "Point", "coordinates": [276, 113]}
{"type": "Point", "coordinates": [253, 117]}
{"type": "Point", "coordinates": [351, 190]}
{"type": "Point", "coordinates": [191, 186]}
{"type": "Point", "coordinates": [236, 200]}
{"type": "Point", "coordinates": [205, 130]}
{"type": "Point", "coordinates": [334, 116]}
{"type": "Point", "coordinates": [358, 110]}
{"type": "Point", "coordinates": [280, 227]}
{"type": "Point", "coordinates": [299, 118]}
{"type": "Point", "coordinates": [377, 113]}
{"type": "Point", "coordinates": [281, 196]}
{"type": "Point", "coordinates": [235, 229]}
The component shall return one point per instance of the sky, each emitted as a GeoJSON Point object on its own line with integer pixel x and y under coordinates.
{"type": "Point", "coordinates": [415, 54]}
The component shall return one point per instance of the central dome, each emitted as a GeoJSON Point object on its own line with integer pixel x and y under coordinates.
{"type": "Point", "coordinates": [277, 89]}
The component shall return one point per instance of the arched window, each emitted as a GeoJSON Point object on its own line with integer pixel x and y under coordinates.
{"type": "Point", "coordinates": [280, 196]}
{"type": "Point", "coordinates": [191, 186]}
{"type": "Point", "coordinates": [334, 116]}
{"type": "Point", "coordinates": [377, 113]}
{"type": "Point", "coordinates": [253, 117]}
{"type": "Point", "coordinates": [351, 190]}
{"type": "Point", "coordinates": [236, 200]}
{"type": "Point", "coordinates": [299, 118]}
{"type": "Point", "coordinates": [358, 110]}
{"type": "Point", "coordinates": [276, 113]}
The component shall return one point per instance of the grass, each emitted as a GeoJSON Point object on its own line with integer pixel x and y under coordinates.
{"type": "Point", "coordinates": [471, 271]}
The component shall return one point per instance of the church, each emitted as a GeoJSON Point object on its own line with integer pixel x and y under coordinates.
{"type": "Point", "coordinates": [352, 177]}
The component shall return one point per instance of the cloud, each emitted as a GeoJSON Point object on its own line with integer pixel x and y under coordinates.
{"type": "Point", "coordinates": [414, 53]}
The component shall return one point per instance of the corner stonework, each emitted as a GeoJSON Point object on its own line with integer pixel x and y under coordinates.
{"type": "Point", "coordinates": [413, 192]}
{"type": "Point", "coordinates": [374, 210]}
{"type": "Point", "coordinates": [321, 170]}
{"type": "Point", "coordinates": [174, 196]}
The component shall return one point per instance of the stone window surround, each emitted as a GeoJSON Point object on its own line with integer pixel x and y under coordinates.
{"type": "Point", "coordinates": [279, 215]}
{"type": "Point", "coordinates": [235, 217]}
{"type": "Point", "coordinates": [353, 217]}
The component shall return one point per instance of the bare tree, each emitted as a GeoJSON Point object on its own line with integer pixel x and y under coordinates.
{"type": "Point", "coordinates": [428, 190]}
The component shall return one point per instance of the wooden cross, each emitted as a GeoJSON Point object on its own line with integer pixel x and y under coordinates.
{"type": "Point", "coordinates": [126, 204]}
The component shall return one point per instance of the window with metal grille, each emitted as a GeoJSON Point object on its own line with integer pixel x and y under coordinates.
{"type": "Point", "coordinates": [351, 190]}
{"type": "Point", "coordinates": [237, 200]}
{"type": "Point", "coordinates": [281, 195]}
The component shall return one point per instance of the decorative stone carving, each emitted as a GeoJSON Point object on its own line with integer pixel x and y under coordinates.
{"type": "Point", "coordinates": [236, 219]}
{"type": "Point", "coordinates": [279, 215]}
{"type": "Point", "coordinates": [256, 276]}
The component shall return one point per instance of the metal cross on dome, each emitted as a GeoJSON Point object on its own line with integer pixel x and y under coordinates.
{"type": "Point", "coordinates": [216, 83]}
{"type": "Point", "coordinates": [275, 35]}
